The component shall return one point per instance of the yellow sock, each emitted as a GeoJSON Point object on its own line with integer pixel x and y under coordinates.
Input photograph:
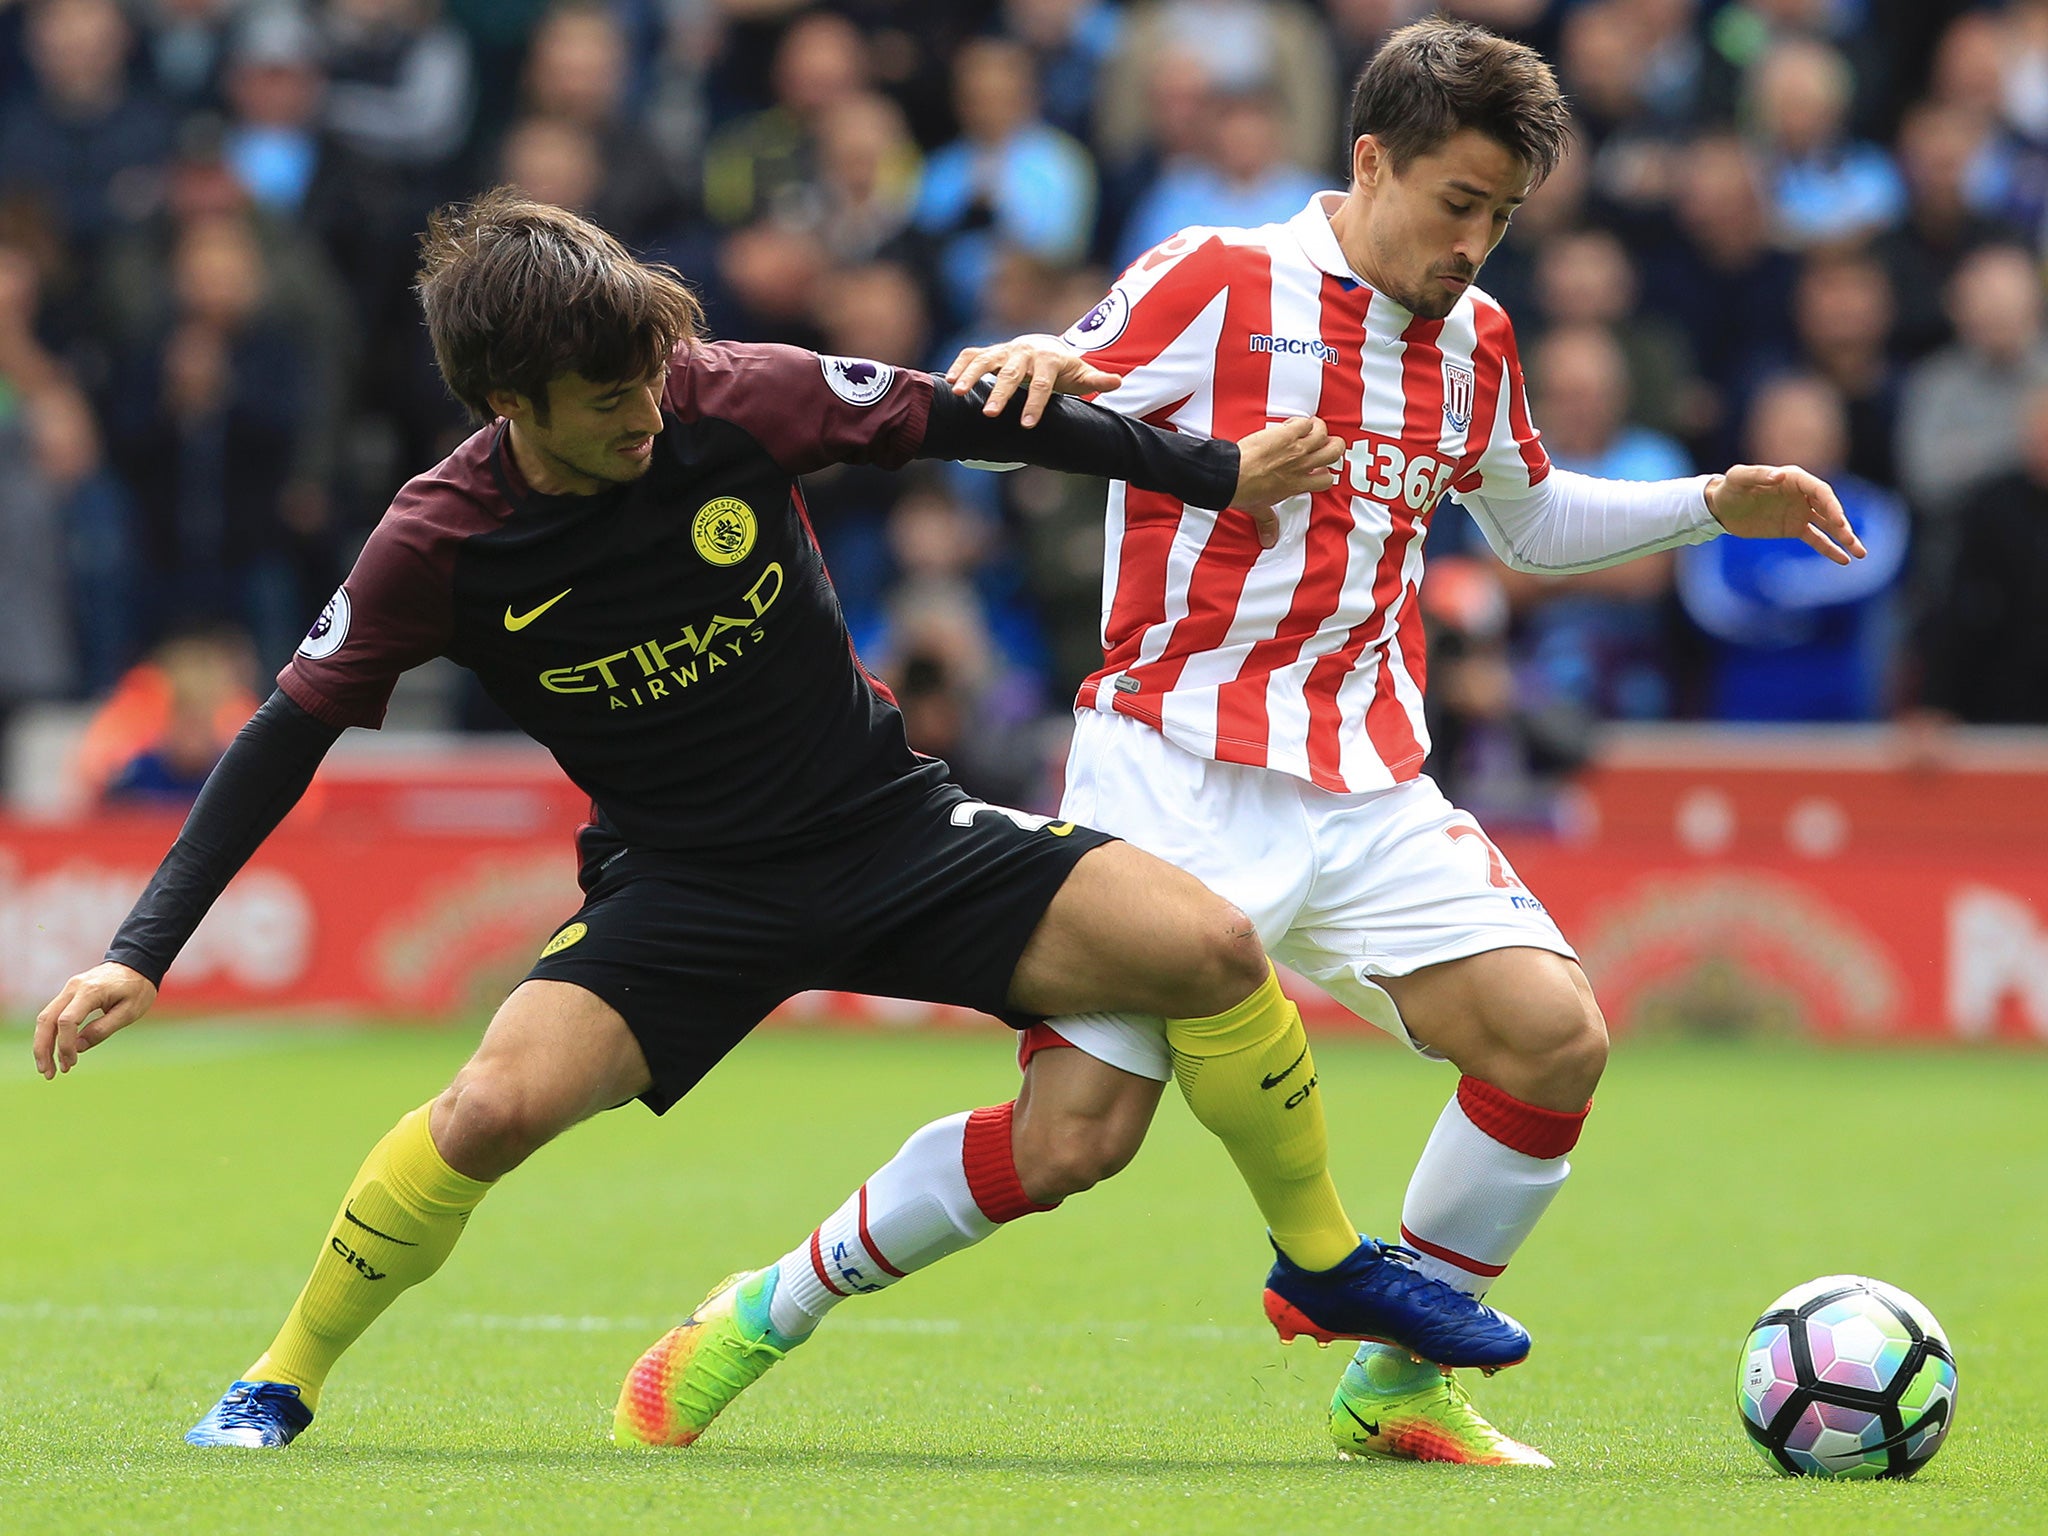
{"type": "Point", "coordinates": [398, 1222]}
{"type": "Point", "coordinates": [1248, 1076]}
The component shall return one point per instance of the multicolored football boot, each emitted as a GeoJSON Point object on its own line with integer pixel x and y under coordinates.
{"type": "Point", "coordinates": [1392, 1404]}
{"type": "Point", "coordinates": [257, 1415]}
{"type": "Point", "coordinates": [1378, 1294]}
{"type": "Point", "coordinates": [687, 1379]}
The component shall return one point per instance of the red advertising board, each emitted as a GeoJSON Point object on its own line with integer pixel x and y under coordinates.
{"type": "Point", "coordinates": [1711, 882]}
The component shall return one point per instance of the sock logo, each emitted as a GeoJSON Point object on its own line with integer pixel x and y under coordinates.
{"type": "Point", "coordinates": [1284, 1073]}
{"type": "Point", "coordinates": [348, 1214]}
{"type": "Point", "coordinates": [1300, 1095]}
{"type": "Point", "coordinates": [363, 1266]}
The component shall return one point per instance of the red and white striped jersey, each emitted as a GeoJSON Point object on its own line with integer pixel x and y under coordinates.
{"type": "Point", "coordinates": [1307, 657]}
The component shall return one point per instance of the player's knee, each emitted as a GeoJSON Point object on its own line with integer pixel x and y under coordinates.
{"type": "Point", "coordinates": [489, 1123]}
{"type": "Point", "coordinates": [1225, 963]}
{"type": "Point", "coordinates": [1564, 1053]}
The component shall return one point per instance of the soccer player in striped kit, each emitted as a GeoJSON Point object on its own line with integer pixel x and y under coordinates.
{"type": "Point", "coordinates": [1258, 718]}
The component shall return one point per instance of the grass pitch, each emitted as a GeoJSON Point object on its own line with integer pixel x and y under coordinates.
{"type": "Point", "coordinates": [1104, 1368]}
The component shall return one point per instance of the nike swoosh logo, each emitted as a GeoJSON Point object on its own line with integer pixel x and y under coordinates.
{"type": "Point", "coordinates": [519, 621]}
{"type": "Point", "coordinates": [1280, 1077]}
{"type": "Point", "coordinates": [349, 1215]}
{"type": "Point", "coordinates": [1935, 1415]}
{"type": "Point", "coordinates": [1365, 1424]}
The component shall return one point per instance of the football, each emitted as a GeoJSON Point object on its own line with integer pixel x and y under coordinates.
{"type": "Point", "coordinates": [1847, 1377]}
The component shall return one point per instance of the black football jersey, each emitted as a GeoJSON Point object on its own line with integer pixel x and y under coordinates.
{"type": "Point", "coordinates": [674, 641]}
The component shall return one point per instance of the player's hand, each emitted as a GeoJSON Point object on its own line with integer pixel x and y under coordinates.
{"type": "Point", "coordinates": [91, 1007]}
{"type": "Point", "coordinates": [1295, 457]}
{"type": "Point", "coordinates": [1044, 363]}
{"type": "Point", "coordinates": [1783, 501]}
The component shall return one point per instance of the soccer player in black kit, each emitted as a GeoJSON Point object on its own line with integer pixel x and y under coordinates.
{"type": "Point", "coordinates": [623, 558]}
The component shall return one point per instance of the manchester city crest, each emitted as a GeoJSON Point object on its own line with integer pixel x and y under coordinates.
{"type": "Point", "coordinates": [724, 530]}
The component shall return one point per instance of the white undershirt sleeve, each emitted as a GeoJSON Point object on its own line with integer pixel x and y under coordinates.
{"type": "Point", "coordinates": [1572, 522]}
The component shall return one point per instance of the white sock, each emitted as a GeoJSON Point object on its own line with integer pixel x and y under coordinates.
{"type": "Point", "coordinates": [952, 1184]}
{"type": "Point", "coordinates": [1491, 1168]}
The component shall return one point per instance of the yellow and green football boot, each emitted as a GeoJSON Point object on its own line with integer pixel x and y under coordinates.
{"type": "Point", "coordinates": [1394, 1405]}
{"type": "Point", "coordinates": [688, 1378]}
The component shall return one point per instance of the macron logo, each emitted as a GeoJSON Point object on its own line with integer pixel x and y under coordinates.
{"type": "Point", "coordinates": [1295, 346]}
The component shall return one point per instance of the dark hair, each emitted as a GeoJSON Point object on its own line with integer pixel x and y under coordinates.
{"type": "Point", "coordinates": [1437, 76]}
{"type": "Point", "coordinates": [517, 293]}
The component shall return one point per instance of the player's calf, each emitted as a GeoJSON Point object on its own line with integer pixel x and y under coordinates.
{"type": "Point", "coordinates": [1078, 1121]}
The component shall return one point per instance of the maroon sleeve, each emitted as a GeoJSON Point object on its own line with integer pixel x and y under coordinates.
{"type": "Point", "coordinates": [806, 411]}
{"type": "Point", "coordinates": [393, 612]}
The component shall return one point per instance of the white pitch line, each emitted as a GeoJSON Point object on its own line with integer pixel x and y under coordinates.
{"type": "Point", "coordinates": [559, 1322]}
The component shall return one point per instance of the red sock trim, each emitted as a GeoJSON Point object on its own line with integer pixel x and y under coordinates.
{"type": "Point", "coordinates": [868, 1242]}
{"type": "Point", "coordinates": [991, 1167]}
{"type": "Point", "coordinates": [1450, 1255]}
{"type": "Point", "coordinates": [1526, 1128]}
{"type": "Point", "coordinates": [818, 1263]}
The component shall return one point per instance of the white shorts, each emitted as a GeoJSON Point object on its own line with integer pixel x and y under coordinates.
{"type": "Point", "coordinates": [1342, 888]}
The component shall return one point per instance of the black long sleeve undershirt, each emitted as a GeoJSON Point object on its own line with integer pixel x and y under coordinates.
{"type": "Point", "coordinates": [1083, 439]}
{"type": "Point", "coordinates": [262, 776]}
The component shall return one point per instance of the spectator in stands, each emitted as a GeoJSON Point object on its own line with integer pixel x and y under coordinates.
{"type": "Point", "coordinates": [867, 175]}
{"type": "Point", "coordinates": [1604, 60]}
{"type": "Point", "coordinates": [579, 70]}
{"type": "Point", "coordinates": [154, 741]}
{"type": "Point", "coordinates": [1826, 187]}
{"type": "Point", "coordinates": [553, 160]}
{"type": "Point", "coordinates": [1844, 324]}
{"type": "Point", "coordinates": [1500, 742]}
{"type": "Point", "coordinates": [1741, 36]}
{"type": "Point", "coordinates": [1724, 283]}
{"type": "Point", "coordinates": [1180, 101]}
{"type": "Point", "coordinates": [956, 640]}
{"type": "Point", "coordinates": [1070, 40]}
{"type": "Point", "coordinates": [2008, 174]}
{"type": "Point", "coordinates": [1959, 412]}
{"type": "Point", "coordinates": [36, 655]}
{"type": "Point", "coordinates": [1597, 639]}
{"type": "Point", "coordinates": [766, 162]}
{"type": "Point", "coordinates": [1008, 178]}
{"type": "Point", "coordinates": [765, 284]}
{"type": "Point", "coordinates": [66, 610]}
{"type": "Point", "coordinates": [1585, 277]}
{"type": "Point", "coordinates": [303, 296]}
{"type": "Point", "coordinates": [210, 450]}
{"type": "Point", "coordinates": [98, 520]}
{"type": "Point", "coordinates": [1241, 179]}
{"type": "Point", "coordinates": [399, 84]}
{"type": "Point", "coordinates": [84, 142]}
{"type": "Point", "coordinates": [1238, 46]}
{"type": "Point", "coordinates": [1792, 635]}
{"type": "Point", "coordinates": [1984, 648]}
{"type": "Point", "coordinates": [275, 87]}
{"type": "Point", "coordinates": [185, 49]}
{"type": "Point", "coordinates": [1938, 146]}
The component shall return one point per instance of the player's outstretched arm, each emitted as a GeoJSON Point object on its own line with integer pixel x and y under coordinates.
{"type": "Point", "coordinates": [1783, 501]}
{"type": "Point", "coordinates": [261, 777]}
{"type": "Point", "coordinates": [1292, 458]}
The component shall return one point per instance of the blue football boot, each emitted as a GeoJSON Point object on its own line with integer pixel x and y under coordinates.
{"type": "Point", "coordinates": [254, 1414]}
{"type": "Point", "coordinates": [1378, 1294]}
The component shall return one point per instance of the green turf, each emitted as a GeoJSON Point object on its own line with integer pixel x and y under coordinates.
{"type": "Point", "coordinates": [1100, 1369]}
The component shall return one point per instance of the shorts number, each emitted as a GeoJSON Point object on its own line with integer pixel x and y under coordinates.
{"type": "Point", "coordinates": [965, 812]}
{"type": "Point", "coordinates": [1498, 875]}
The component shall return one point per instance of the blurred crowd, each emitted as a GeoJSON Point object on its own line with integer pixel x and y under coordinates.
{"type": "Point", "coordinates": [1791, 230]}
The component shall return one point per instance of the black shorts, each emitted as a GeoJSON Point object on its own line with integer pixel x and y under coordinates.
{"type": "Point", "coordinates": [935, 902]}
